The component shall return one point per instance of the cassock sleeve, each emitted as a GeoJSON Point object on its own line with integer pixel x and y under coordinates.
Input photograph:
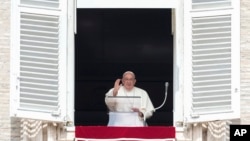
{"type": "Point", "coordinates": [147, 107]}
{"type": "Point", "coordinates": [110, 102]}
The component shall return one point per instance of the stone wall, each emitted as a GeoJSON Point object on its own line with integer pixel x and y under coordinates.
{"type": "Point", "coordinates": [245, 61]}
{"type": "Point", "coordinates": [9, 128]}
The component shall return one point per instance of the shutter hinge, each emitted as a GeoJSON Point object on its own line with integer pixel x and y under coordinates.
{"type": "Point", "coordinates": [17, 82]}
{"type": "Point", "coordinates": [195, 115]}
{"type": "Point", "coordinates": [56, 113]}
{"type": "Point", "coordinates": [236, 90]}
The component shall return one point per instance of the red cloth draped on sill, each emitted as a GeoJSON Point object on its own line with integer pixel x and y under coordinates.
{"type": "Point", "coordinates": [104, 132]}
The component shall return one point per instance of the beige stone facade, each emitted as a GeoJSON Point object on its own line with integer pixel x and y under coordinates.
{"type": "Point", "coordinates": [9, 128]}
{"type": "Point", "coordinates": [245, 61]}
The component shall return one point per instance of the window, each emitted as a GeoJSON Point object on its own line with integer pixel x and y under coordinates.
{"type": "Point", "coordinates": [112, 41]}
{"type": "Point", "coordinates": [209, 69]}
{"type": "Point", "coordinates": [103, 76]}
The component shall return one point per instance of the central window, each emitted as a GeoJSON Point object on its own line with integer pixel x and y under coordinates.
{"type": "Point", "coordinates": [112, 41]}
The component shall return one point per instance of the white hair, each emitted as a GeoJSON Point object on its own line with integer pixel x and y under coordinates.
{"type": "Point", "coordinates": [128, 72]}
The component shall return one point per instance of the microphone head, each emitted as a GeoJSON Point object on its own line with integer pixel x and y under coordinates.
{"type": "Point", "coordinates": [166, 84]}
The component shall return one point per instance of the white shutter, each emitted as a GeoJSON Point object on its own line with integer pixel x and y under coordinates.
{"type": "Point", "coordinates": [212, 52]}
{"type": "Point", "coordinates": [39, 90]}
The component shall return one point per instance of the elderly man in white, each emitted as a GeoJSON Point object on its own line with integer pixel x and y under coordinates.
{"type": "Point", "coordinates": [128, 105]}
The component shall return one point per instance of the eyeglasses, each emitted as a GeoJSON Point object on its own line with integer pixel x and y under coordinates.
{"type": "Point", "coordinates": [128, 79]}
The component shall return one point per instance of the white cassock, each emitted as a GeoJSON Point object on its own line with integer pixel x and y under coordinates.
{"type": "Point", "coordinates": [120, 113]}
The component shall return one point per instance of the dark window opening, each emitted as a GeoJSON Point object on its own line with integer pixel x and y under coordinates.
{"type": "Point", "coordinates": [111, 41]}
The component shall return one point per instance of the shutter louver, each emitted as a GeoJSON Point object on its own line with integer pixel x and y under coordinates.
{"type": "Point", "coordinates": [211, 71]}
{"type": "Point", "coordinates": [40, 3]}
{"type": "Point", "coordinates": [39, 62]}
{"type": "Point", "coordinates": [210, 4]}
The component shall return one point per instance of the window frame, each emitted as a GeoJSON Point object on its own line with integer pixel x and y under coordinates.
{"type": "Point", "coordinates": [180, 87]}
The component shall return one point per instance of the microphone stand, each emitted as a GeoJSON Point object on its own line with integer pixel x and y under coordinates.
{"type": "Point", "coordinates": [164, 101]}
{"type": "Point", "coordinates": [165, 98]}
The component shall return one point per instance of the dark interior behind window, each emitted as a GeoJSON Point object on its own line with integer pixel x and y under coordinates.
{"type": "Point", "coordinates": [111, 41]}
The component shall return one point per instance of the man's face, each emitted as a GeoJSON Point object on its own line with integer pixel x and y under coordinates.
{"type": "Point", "coordinates": [128, 81]}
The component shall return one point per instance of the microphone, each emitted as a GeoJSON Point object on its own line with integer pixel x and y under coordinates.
{"type": "Point", "coordinates": [166, 94]}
